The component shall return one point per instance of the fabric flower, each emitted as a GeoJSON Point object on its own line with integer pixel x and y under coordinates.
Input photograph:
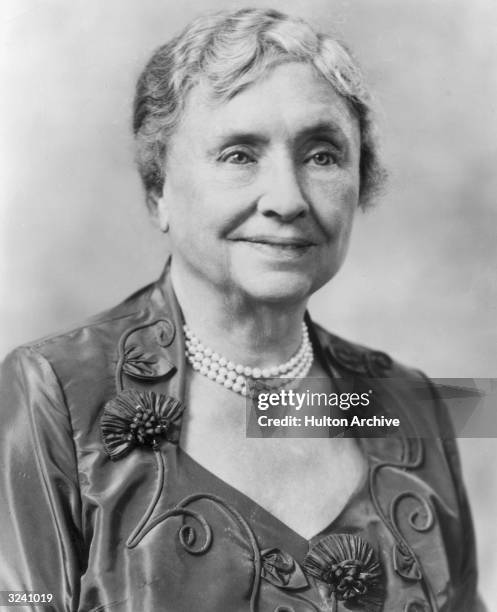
{"type": "Point", "coordinates": [281, 569]}
{"type": "Point", "coordinates": [347, 565]}
{"type": "Point", "coordinates": [405, 564]}
{"type": "Point", "coordinates": [138, 418]}
{"type": "Point", "coordinates": [144, 365]}
{"type": "Point", "coordinates": [138, 362]}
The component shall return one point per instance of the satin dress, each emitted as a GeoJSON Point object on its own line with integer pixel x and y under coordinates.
{"type": "Point", "coordinates": [102, 508]}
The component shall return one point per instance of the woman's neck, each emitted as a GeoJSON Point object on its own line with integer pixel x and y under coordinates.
{"type": "Point", "coordinates": [245, 331]}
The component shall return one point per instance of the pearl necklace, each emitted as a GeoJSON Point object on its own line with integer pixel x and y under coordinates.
{"type": "Point", "coordinates": [234, 376]}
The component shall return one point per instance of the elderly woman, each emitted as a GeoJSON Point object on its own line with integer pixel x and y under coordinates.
{"type": "Point", "coordinates": [129, 482]}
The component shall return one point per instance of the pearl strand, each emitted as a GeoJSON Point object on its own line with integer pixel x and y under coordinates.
{"type": "Point", "coordinates": [234, 376]}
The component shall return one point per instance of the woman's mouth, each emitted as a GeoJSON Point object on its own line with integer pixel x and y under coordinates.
{"type": "Point", "coordinates": [286, 247]}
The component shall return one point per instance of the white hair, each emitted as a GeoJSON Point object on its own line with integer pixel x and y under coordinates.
{"type": "Point", "coordinates": [231, 50]}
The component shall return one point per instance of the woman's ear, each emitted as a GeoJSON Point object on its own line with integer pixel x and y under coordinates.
{"type": "Point", "coordinates": [158, 207]}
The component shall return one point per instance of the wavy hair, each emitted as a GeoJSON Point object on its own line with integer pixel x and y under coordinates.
{"type": "Point", "coordinates": [231, 50]}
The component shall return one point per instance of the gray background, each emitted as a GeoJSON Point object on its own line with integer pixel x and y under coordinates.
{"type": "Point", "coordinates": [420, 278]}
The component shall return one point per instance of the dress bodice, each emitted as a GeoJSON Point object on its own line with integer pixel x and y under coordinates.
{"type": "Point", "coordinates": [108, 522]}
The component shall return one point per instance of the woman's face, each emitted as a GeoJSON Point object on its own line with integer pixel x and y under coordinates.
{"type": "Point", "coordinates": [260, 191]}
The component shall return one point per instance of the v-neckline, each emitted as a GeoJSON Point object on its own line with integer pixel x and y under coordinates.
{"type": "Point", "coordinates": [251, 509]}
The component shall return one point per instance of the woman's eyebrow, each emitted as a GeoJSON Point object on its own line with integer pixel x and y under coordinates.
{"type": "Point", "coordinates": [321, 129]}
{"type": "Point", "coordinates": [242, 137]}
{"type": "Point", "coordinates": [324, 129]}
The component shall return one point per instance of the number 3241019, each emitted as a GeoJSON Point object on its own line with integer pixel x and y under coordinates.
{"type": "Point", "coordinates": [29, 597]}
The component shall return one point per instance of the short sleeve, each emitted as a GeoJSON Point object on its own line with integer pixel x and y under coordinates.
{"type": "Point", "coordinates": [40, 529]}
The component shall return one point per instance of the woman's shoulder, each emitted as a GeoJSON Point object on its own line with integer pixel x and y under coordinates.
{"type": "Point", "coordinates": [131, 338]}
{"type": "Point", "coordinates": [97, 332]}
{"type": "Point", "coordinates": [395, 388]}
{"type": "Point", "coordinates": [110, 319]}
{"type": "Point", "coordinates": [356, 358]}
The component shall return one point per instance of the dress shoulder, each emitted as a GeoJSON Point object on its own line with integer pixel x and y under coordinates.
{"type": "Point", "coordinates": [108, 318]}
{"type": "Point", "coordinates": [85, 359]}
{"type": "Point", "coordinates": [360, 359]}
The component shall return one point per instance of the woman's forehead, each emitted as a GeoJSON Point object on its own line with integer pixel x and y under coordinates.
{"type": "Point", "coordinates": [290, 98]}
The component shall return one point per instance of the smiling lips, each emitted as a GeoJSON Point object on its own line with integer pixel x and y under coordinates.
{"type": "Point", "coordinates": [281, 242]}
{"type": "Point", "coordinates": [278, 247]}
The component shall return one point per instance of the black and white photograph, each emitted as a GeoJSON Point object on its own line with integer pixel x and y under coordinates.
{"type": "Point", "coordinates": [248, 306]}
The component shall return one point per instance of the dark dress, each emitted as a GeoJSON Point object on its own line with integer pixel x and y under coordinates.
{"type": "Point", "coordinates": [106, 512]}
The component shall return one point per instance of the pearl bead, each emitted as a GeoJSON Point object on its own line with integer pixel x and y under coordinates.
{"type": "Point", "coordinates": [239, 378]}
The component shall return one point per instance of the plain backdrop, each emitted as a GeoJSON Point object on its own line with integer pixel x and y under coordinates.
{"type": "Point", "coordinates": [420, 279]}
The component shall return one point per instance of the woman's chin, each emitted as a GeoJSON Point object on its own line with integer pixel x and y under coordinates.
{"type": "Point", "coordinates": [278, 288]}
{"type": "Point", "coordinates": [280, 281]}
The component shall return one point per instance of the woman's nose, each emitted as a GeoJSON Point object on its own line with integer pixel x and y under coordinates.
{"type": "Point", "coordinates": [283, 196]}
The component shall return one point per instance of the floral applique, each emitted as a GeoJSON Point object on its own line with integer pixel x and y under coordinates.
{"type": "Point", "coordinates": [139, 418]}
{"type": "Point", "coordinates": [281, 569]}
{"type": "Point", "coordinates": [347, 567]}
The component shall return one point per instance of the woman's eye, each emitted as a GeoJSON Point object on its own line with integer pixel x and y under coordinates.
{"type": "Point", "coordinates": [237, 157]}
{"type": "Point", "coordinates": [322, 158]}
